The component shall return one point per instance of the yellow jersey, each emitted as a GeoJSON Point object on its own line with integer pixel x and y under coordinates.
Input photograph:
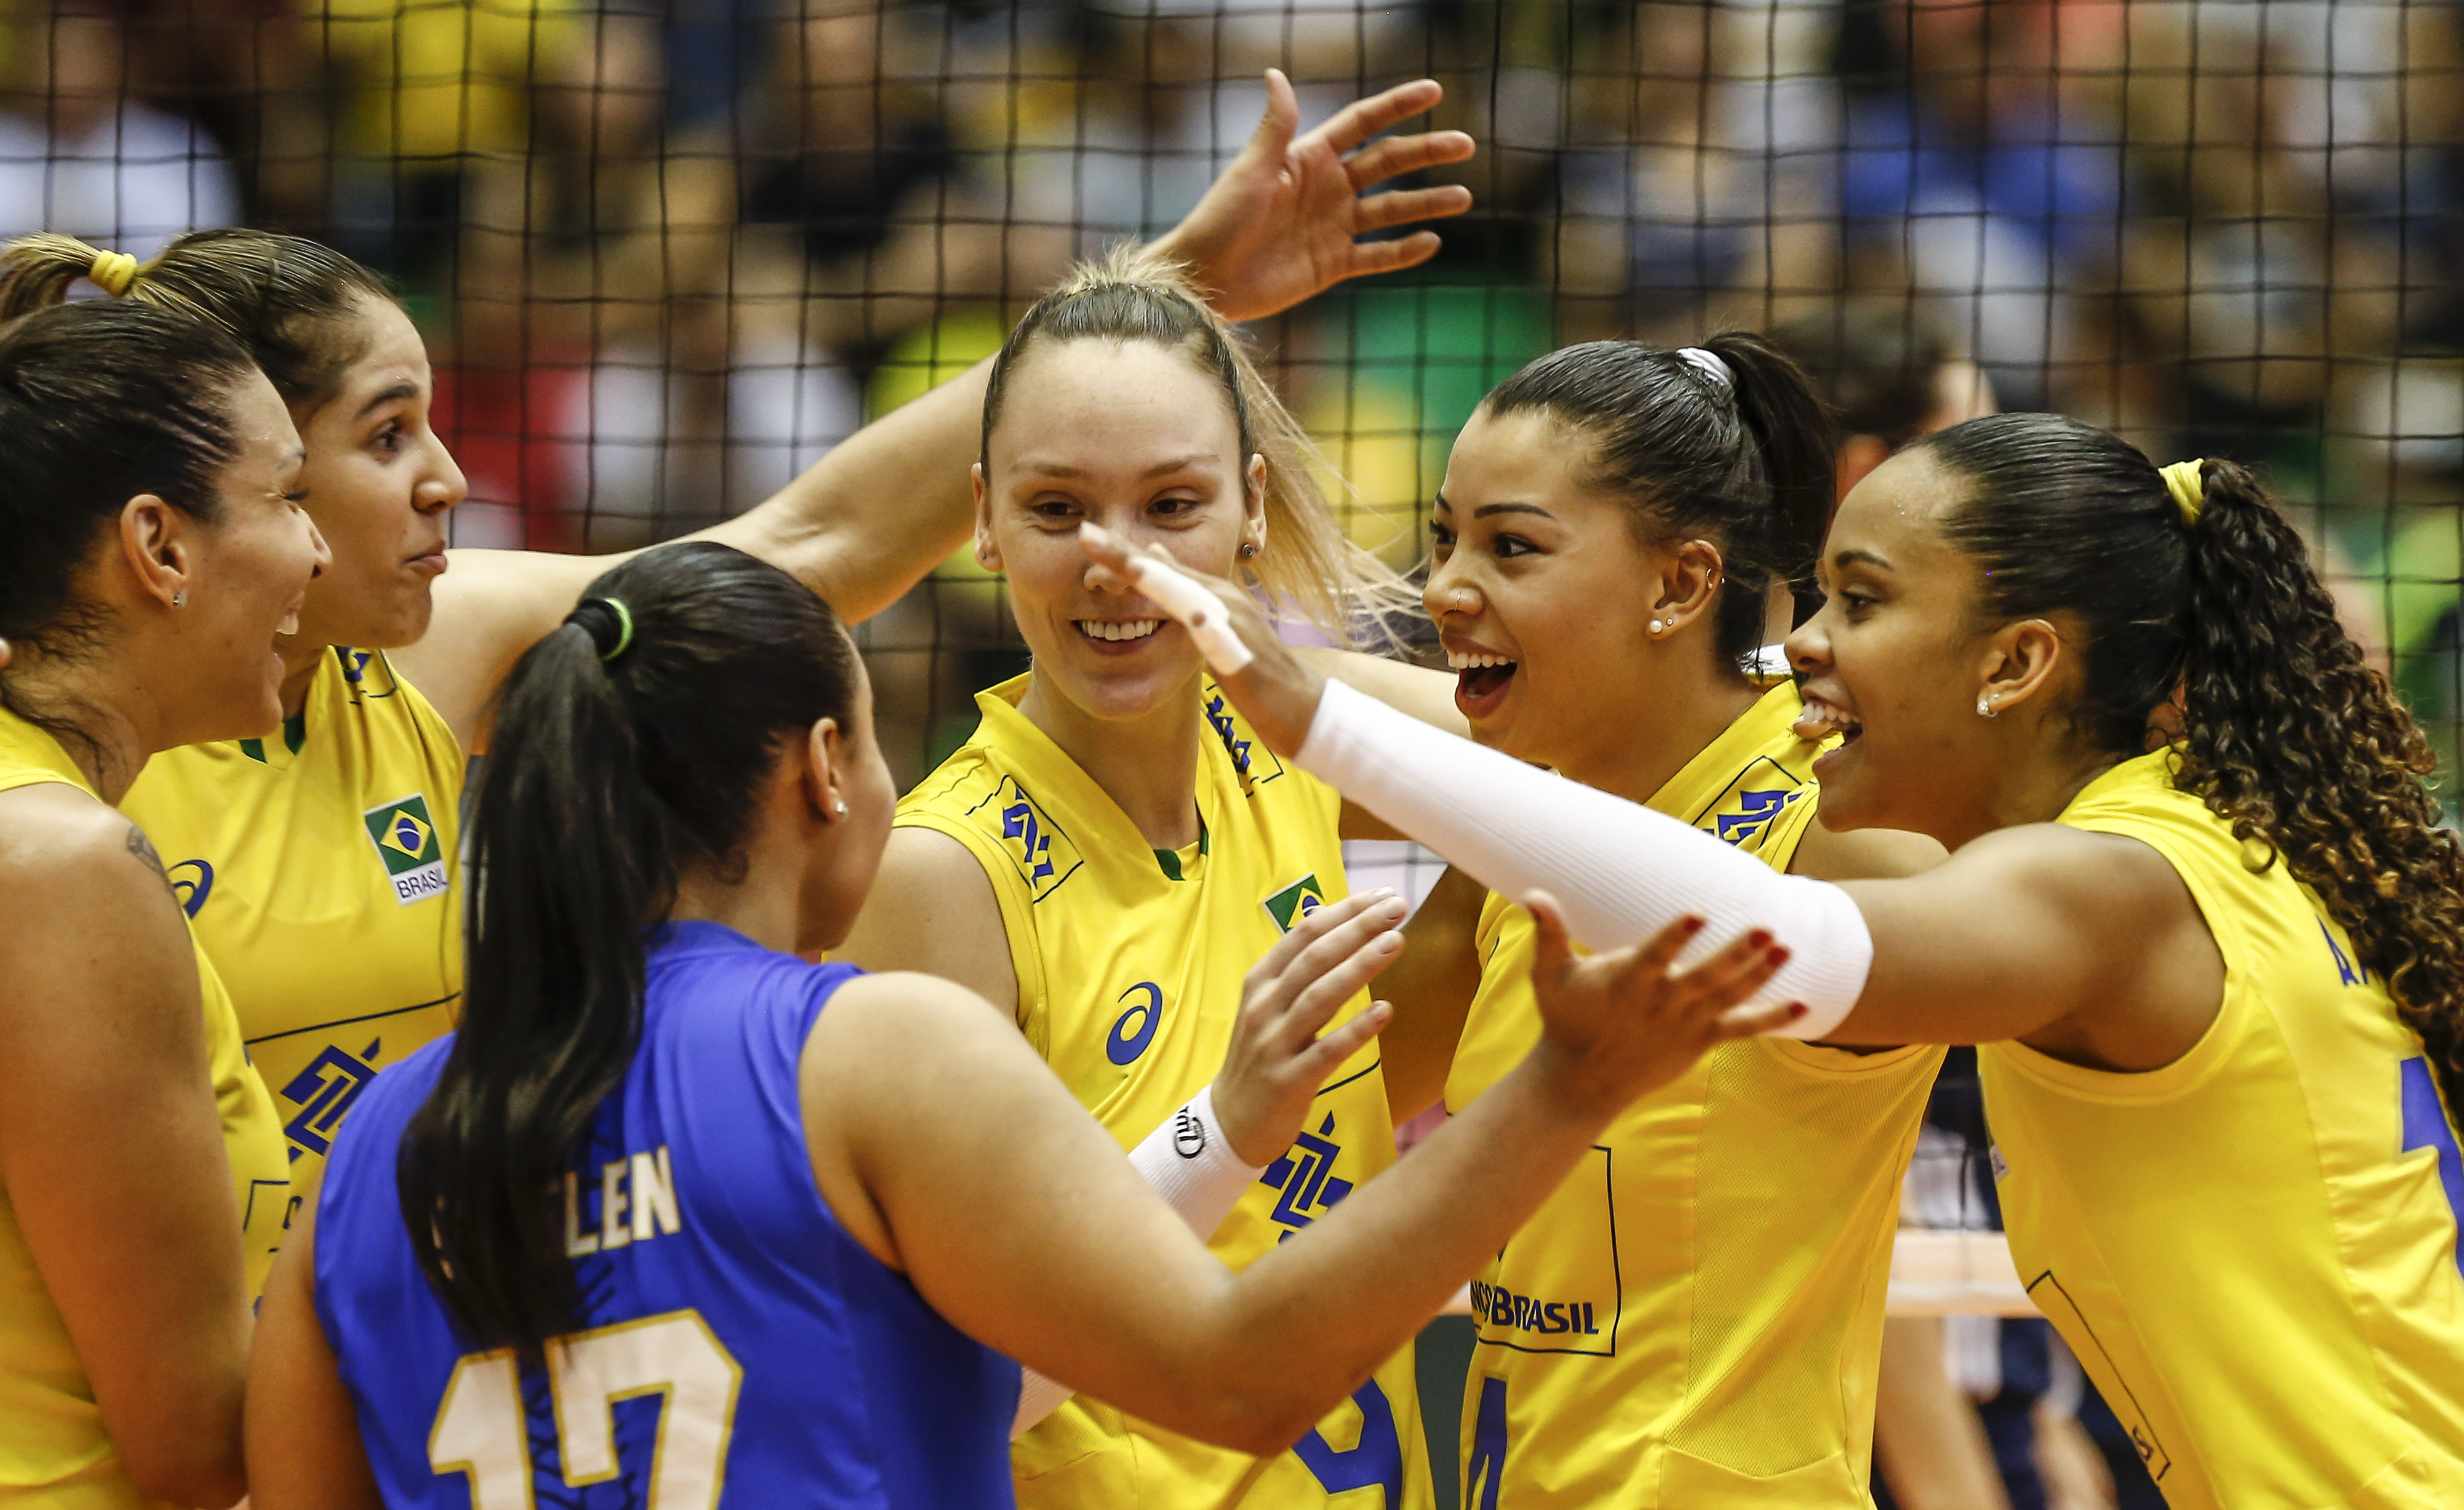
{"type": "Point", "coordinates": [1129, 962]}
{"type": "Point", "coordinates": [54, 1450]}
{"type": "Point", "coordinates": [317, 868]}
{"type": "Point", "coordinates": [2252, 1250]}
{"type": "Point", "coordinates": [1695, 1317]}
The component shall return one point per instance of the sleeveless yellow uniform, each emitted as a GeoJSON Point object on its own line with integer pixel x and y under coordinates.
{"type": "Point", "coordinates": [1128, 963]}
{"type": "Point", "coordinates": [317, 866]}
{"type": "Point", "coordinates": [2254, 1249]}
{"type": "Point", "coordinates": [54, 1450]}
{"type": "Point", "coordinates": [1695, 1317]}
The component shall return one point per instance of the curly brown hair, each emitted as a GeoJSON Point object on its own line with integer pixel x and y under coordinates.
{"type": "Point", "coordinates": [2286, 730]}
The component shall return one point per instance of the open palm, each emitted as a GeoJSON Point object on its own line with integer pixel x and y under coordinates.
{"type": "Point", "coordinates": [1280, 225]}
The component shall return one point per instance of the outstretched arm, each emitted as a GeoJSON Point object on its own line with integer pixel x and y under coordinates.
{"type": "Point", "coordinates": [2085, 945]}
{"type": "Point", "coordinates": [1020, 1221]}
{"type": "Point", "coordinates": [886, 505]}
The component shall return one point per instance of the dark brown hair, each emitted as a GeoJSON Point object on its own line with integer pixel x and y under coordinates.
{"type": "Point", "coordinates": [2287, 732]}
{"type": "Point", "coordinates": [288, 300]}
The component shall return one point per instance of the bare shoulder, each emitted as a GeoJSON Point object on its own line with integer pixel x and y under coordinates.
{"type": "Point", "coordinates": [1864, 854]}
{"type": "Point", "coordinates": [933, 908]}
{"type": "Point", "coordinates": [57, 842]}
{"type": "Point", "coordinates": [92, 918]}
{"type": "Point", "coordinates": [490, 607]}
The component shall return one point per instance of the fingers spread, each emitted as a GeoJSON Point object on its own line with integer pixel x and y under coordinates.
{"type": "Point", "coordinates": [1380, 160]}
{"type": "Point", "coordinates": [1361, 120]}
{"type": "Point", "coordinates": [1283, 116]}
{"type": "Point", "coordinates": [1315, 925]}
{"type": "Point", "coordinates": [1403, 206]}
{"type": "Point", "coordinates": [1370, 257]}
{"type": "Point", "coordinates": [1766, 1019]}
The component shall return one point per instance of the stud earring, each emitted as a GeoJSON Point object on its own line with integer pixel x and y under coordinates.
{"type": "Point", "coordinates": [179, 598]}
{"type": "Point", "coordinates": [1655, 626]}
{"type": "Point", "coordinates": [1985, 708]}
{"type": "Point", "coordinates": [1249, 550]}
{"type": "Point", "coordinates": [842, 809]}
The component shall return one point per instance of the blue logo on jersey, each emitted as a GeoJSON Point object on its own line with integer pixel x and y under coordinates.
{"type": "Point", "coordinates": [1306, 1175]}
{"type": "Point", "coordinates": [1018, 822]}
{"type": "Point", "coordinates": [355, 664]}
{"type": "Point", "coordinates": [323, 1092]}
{"type": "Point", "coordinates": [1228, 732]}
{"type": "Point", "coordinates": [1756, 810]}
{"type": "Point", "coordinates": [192, 890]}
{"type": "Point", "coordinates": [1040, 847]}
{"type": "Point", "coordinates": [1136, 1028]}
{"type": "Point", "coordinates": [1374, 1460]}
{"type": "Point", "coordinates": [2350, 972]}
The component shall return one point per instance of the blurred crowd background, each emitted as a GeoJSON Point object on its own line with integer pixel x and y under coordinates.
{"type": "Point", "coordinates": [667, 251]}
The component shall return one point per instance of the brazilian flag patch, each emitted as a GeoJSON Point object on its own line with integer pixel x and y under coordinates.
{"type": "Point", "coordinates": [1295, 901]}
{"type": "Point", "coordinates": [405, 835]}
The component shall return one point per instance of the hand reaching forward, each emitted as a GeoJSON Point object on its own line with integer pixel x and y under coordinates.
{"type": "Point", "coordinates": [1279, 225]}
{"type": "Point", "coordinates": [1619, 1024]}
{"type": "Point", "coordinates": [1277, 1063]}
{"type": "Point", "coordinates": [1266, 681]}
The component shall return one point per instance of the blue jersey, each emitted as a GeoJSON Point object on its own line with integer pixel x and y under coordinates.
{"type": "Point", "coordinates": [735, 1346]}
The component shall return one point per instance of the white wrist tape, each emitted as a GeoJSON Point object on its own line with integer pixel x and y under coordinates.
{"type": "Point", "coordinates": [1195, 609]}
{"type": "Point", "coordinates": [1620, 871]}
{"type": "Point", "coordinates": [1189, 1162]}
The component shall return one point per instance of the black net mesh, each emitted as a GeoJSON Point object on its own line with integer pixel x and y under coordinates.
{"type": "Point", "coordinates": [667, 254]}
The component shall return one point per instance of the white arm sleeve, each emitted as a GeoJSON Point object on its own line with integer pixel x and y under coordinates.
{"type": "Point", "coordinates": [1190, 1162]}
{"type": "Point", "coordinates": [1621, 871]}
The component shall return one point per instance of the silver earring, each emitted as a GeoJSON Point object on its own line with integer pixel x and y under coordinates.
{"type": "Point", "coordinates": [1985, 708]}
{"type": "Point", "coordinates": [1249, 550]}
{"type": "Point", "coordinates": [1655, 626]}
{"type": "Point", "coordinates": [843, 810]}
{"type": "Point", "coordinates": [179, 598]}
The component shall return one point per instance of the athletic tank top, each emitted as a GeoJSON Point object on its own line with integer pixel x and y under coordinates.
{"type": "Point", "coordinates": [2251, 1250]}
{"type": "Point", "coordinates": [1128, 964]}
{"type": "Point", "coordinates": [736, 1346]}
{"type": "Point", "coordinates": [315, 864]}
{"type": "Point", "coordinates": [54, 1450]}
{"type": "Point", "coordinates": [1695, 1317]}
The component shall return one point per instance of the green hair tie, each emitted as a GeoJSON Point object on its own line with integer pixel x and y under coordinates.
{"type": "Point", "coordinates": [624, 629]}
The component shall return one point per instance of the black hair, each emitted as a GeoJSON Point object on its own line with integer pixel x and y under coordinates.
{"type": "Point", "coordinates": [618, 760]}
{"type": "Point", "coordinates": [100, 403]}
{"type": "Point", "coordinates": [2285, 730]}
{"type": "Point", "coordinates": [1742, 460]}
{"type": "Point", "coordinates": [1876, 362]}
{"type": "Point", "coordinates": [291, 301]}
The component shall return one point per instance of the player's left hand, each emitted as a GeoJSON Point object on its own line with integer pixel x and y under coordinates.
{"type": "Point", "coordinates": [1279, 1059]}
{"type": "Point", "coordinates": [1274, 690]}
{"type": "Point", "coordinates": [1279, 226]}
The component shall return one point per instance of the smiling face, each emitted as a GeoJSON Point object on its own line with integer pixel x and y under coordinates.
{"type": "Point", "coordinates": [251, 572]}
{"type": "Point", "coordinates": [1137, 439]}
{"type": "Point", "coordinates": [1895, 660]}
{"type": "Point", "coordinates": [1541, 591]}
{"type": "Point", "coordinates": [378, 485]}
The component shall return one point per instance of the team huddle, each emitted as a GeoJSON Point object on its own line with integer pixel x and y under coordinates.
{"type": "Point", "coordinates": [700, 1121]}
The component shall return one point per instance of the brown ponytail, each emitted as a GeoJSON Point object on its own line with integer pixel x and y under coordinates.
{"type": "Point", "coordinates": [2287, 732]}
{"type": "Point", "coordinates": [288, 300]}
{"type": "Point", "coordinates": [2291, 734]}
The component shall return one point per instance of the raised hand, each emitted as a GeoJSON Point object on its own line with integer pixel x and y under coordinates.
{"type": "Point", "coordinates": [1619, 1024]}
{"type": "Point", "coordinates": [1265, 680]}
{"type": "Point", "coordinates": [1279, 225]}
{"type": "Point", "coordinates": [1278, 1061]}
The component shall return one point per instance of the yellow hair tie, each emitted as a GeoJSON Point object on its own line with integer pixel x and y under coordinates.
{"type": "Point", "coordinates": [2189, 493]}
{"type": "Point", "coordinates": [112, 272]}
